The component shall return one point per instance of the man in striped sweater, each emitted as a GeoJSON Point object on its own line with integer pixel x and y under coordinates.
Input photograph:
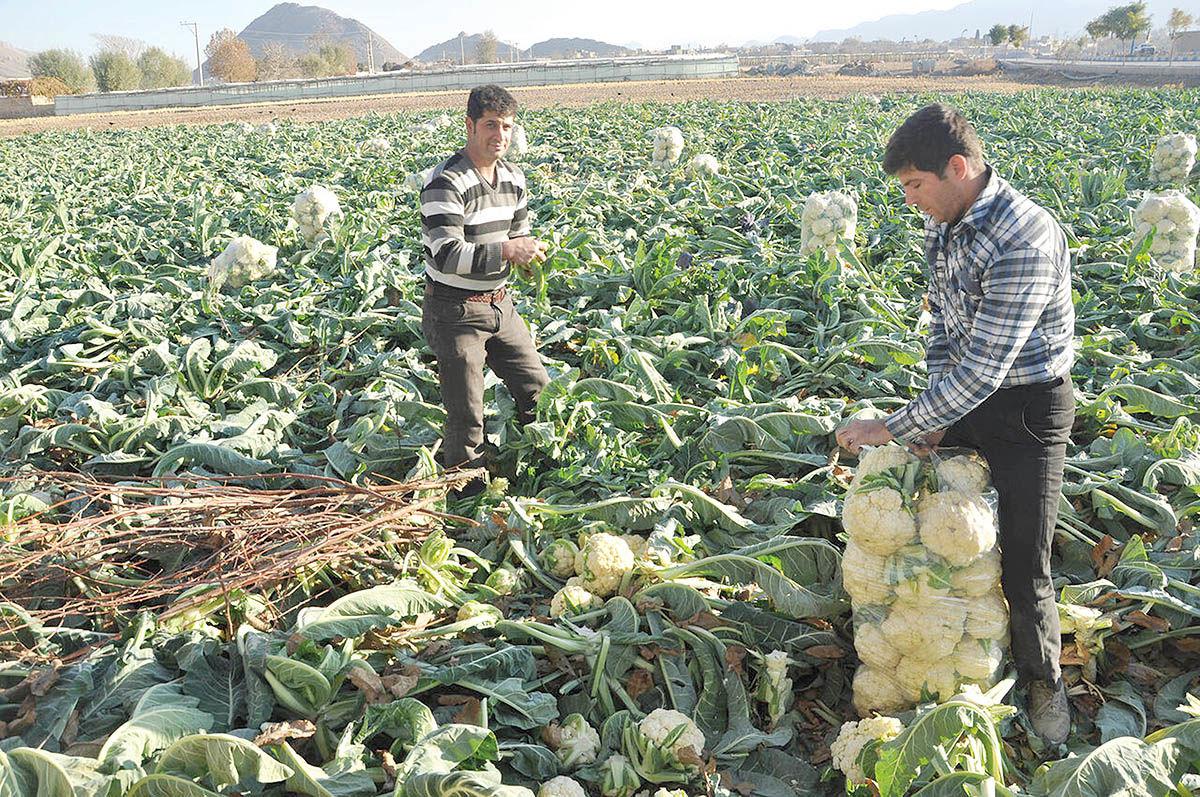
{"type": "Point", "coordinates": [475, 228]}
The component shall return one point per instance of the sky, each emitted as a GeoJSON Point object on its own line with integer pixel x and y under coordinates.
{"type": "Point", "coordinates": [70, 23]}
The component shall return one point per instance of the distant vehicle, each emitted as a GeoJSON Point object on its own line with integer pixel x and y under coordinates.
{"type": "Point", "coordinates": [1144, 49]}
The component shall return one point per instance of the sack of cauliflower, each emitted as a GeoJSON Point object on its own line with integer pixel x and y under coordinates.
{"type": "Point", "coordinates": [923, 573]}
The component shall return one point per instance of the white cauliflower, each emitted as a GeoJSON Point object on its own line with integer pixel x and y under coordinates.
{"type": "Point", "coordinates": [376, 146]}
{"type": "Point", "coordinates": [1173, 158]}
{"type": "Point", "coordinates": [829, 219]}
{"type": "Point", "coordinates": [313, 209]}
{"type": "Point", "coordinates": [978, 578]}
{"type": "Point", "coordinates": [919, 675]}
{"type": "Point", "coordinates": [978, 659]}
{"type": "Point", "coordinates": [863, 576]}
{"type": "Point", "coordinates": [854, 736]}
{"type": "Point", "coordinates": [518, 144]}
{"type": "Point", "coordinates": [956, 526]}
{"type": "Point", "coordinates": [877, 519]}
{"type": "Point", "coordinates": [559, 558]}
{"type": "Point", "coordinates": [660, 723]}
{"type": "Point", "coordinates": [244, 260]}
{"type": "Point", "coordinates": [873, 649]}
{"type": "Point", "coordinates": [578, 742]}
{"type": "Point", "coordinates": [602, 563]}
{"type": "Point", "coordinates": [965, 474]}
{"type": "Point", "coordinates": [638, 545]}
{"type": "Point", "coordinates": [987, 617]}
{"type": "Point", "coordinates": [483, 615]}
{"type": "Point", "coordinates": [877, 459]}
{"type": "Point", "coordinates": [929, 629]}
{"type": "Point", "coordinates": [1175, 221]}
{"type": "Point", "coordinates": [245, 127]}
{"type": "Point", "coordinates": [561, 786]}
{"type": "Point", "coordinates": [668, 145]}
{"type": "Point", "coordinates": [574, 599]}
{"type": "Point", "coordinates": [665, 792]}
{"type": "Point", "coordinates": [267, 128]}
{"type": "Point", "coordinates": [877, 691]}
{"type": "Point", "coordinates": [704, 165]}
{"type": "Point", "coordinates": [917, 574]}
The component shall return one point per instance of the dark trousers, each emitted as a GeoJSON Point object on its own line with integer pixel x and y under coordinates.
{"type": "Point", "coordinates": [464, 336]}
{"type": "Point", "coordinates": [1022, 432]}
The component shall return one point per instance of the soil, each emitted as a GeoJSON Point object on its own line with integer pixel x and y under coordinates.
{"type": "Point", "coordinates": [748, 89]}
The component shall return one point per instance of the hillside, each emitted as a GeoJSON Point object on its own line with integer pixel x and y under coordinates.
{"type": "Point", "coordinates": [1064, 18]}
{"type": "Point", "coordinates": [569, 48]}
{"type": "Point", "coordinates": [453, 50]}
{"type": "Point", "coordinates": [14, 63]}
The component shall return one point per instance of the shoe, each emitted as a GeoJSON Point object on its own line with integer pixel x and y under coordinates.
{"type": "Point", "coordinates": [1049, 712]}
{"type": "Point", "coordinates": [469, 490]}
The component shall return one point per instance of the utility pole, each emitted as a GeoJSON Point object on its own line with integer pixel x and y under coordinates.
{"type": "Point", "coordinates": [462, 53]}
{"type": "Point", "coordinates": [196, 36]}
{"type": "Point", "coordinates": [370, 52]}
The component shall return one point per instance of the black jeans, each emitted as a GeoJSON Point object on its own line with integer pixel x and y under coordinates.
{"type": "Point", "coordinates": [464, 336]}
{"type": "Point", "coordinates": [1023, 432]}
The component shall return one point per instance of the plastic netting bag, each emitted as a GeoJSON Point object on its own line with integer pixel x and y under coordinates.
{"type": "Point", "coordinates": [922, 569]}
{"type": "Point", "coordinates": [829, 220]}
{"type": "Point", "coordinates": [1173, 158]}
{"type": "Point", "coordinates": [1175, 221]}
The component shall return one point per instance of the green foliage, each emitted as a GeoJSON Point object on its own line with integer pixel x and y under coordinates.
{"type": "Point", "coordinates": [159, 69]}
{"type": "Point", "coordinates": [65, 65]}
{"type": "Point", "coordinates": [114, 71]}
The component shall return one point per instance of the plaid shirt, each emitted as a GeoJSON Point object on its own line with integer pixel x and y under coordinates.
{"type": "Point", "coordinates": [1000, 300]}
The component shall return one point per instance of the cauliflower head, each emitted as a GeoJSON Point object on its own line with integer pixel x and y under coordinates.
{"type": "Point", "coordinates": [660, 723]}
{"type": "Point", "coordinates": [636, 544]}
{"type": "Point", "coordinates": [559, 558]}
{"type": "Point", "coordinates": [243, 261]}
{"type": "Point", "coordinates": [878, 521]}
{"type": "Point", "coordinates": [312, 209]}
{"type": "Point", "coordinates": [987, 617]}
{"type": "Point", "coordinates": [978, 659]}
{"type": "Point", "coordinates": [979, 577]}
{"type": "Point", "coordinates": [929, 629]}
{"type": "Point", "coordinates": [917, 574]}
{"type": "Point", "coordinates": [854, 736]}
{"type": "Point", "coordinates": [574, 599]}
{"type": "Point", "coordinates": [602, 563]}
{"type": "Point", "coordinates": [873, 649]}
{"type": "Point", "coordinates": [561, 786]}
{"type": "Point", "coordinates": [376, 146]}
{"type": "Point", "coordinates": [877, 459]}
{"type": "Point", "coordinates": [918, 675]}
{"type": "Point", "coordinates": [704, 165]}
{"type": "Point", "coordinates": [579, 743]}
{"type": "Point", "coordinates": [877, 691]}
{"type": "Point", "coordinates": [964, 473]}
{"type": "Point", "coordinates": [956, 526]}
{"type": "Point", "coordinates": [483, 615]}
{"type": "Point", "coordinates": [863, 576]}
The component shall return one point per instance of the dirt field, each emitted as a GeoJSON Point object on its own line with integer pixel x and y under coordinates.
{"type": "Point", "coordinates": [750, 89]}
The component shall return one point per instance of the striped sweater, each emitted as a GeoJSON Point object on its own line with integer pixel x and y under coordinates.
{"type": "Point", "coordinates": [464, 221]}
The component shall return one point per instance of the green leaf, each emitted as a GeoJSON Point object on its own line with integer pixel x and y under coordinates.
{"type": "Point", "coordinates": [215, 680]}
{"type": "Point", "coordinates": [901, 760]}
{"type": "Point", "coordinates": [459, 784]}
{"type": "Point", "coordinates": [511, 705]}
{"type": "Point", "coordinates": [378, 607]}
{"type": "Point", "coordinates": [316, 782]}
{"type": "Point", "coordinates": [168, 786]}
{"type": "Point", "coordinates": [1122, 766]}
{"type": "Point", "coordinates": [159, 720]}
{"type": "Point", "coordinates": [219, 761]}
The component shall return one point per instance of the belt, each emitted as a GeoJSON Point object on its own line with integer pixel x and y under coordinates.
{"type": "Point", "coordinates": [462, 295]}
{"type": "Point", "coordinates": [491, 297]}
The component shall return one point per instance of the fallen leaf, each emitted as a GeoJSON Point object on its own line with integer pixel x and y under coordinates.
{"type": "Point", "coordinates": [639, 682]}
{"type": "Point", "coordinates": [734, 656]}
{"type": "Point", "coordinates": [825, 652]}
{"type": "Point", "coordinates": [369, 683]}
{"type": "Point", "coordinates": [276, 732]}
{"type": "Point", "coordinates": [1144, 620]}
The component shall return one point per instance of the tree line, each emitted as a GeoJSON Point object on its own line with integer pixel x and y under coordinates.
{"type": "Point", "coordinates": [1124, 22]}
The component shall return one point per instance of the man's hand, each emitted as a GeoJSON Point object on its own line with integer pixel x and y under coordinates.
{"type": "Point", "coordinates": [924, 445]}
{"type": "Point", "coordinates": [861, 432]}
{"type": "Point", "coordinates": [523, 251]}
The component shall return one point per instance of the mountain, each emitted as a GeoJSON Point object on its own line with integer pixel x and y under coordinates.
{"type": "Point", "coordinates": [1063, 18]}
{"type": "Point", "coordinates": [455, 51]}
{"type": "Point", "coordinates": [14, 63]}
{"type": "Point", "coordinates": [789, 40]}
{"type": "Point", "coordinates": [295, 26]}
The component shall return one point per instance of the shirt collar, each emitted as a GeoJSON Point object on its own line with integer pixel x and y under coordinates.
{"type": "Point", "coordinates": [982, 205]}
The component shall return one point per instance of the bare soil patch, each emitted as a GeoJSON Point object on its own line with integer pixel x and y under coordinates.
{"type": "Point", "coordinates": [748, 89]}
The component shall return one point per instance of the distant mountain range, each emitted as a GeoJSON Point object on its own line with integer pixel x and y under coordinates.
{"type": "Point", "coordinates": [466, 48]}
{"type": "Point", "coordinates": [14, 63]}
{"type": "Point", "coordinates": [296, 27]}
{"type": "Point", "coordinates": [1062, 18]}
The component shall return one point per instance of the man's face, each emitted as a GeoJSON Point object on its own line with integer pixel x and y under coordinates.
{"type": "Point", "coordinates": [930, 193]}
{"type": "Point", "coordinates": [489, 135]}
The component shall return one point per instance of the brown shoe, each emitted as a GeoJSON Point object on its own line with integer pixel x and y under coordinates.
{"type": "Point", "coordinates": [1049, 712]}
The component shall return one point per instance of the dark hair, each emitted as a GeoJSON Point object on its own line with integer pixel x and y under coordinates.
{"type": "Point", "coordinates": [490, 98]}
{"type": "Point", "coordinates": [929, 138]}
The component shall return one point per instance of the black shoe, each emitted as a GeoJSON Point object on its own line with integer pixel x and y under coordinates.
{"type": "Point", "coordinates": [469, 490]}
{"type": "Point", "coordinates": [1049, 712]}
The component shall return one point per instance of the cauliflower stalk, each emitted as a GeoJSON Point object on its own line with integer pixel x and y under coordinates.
{"type": "Point", "coordinates": [1174, 221]}
{"type": "Point", "coordinates": [244, 260]}
{"type": "Point", "coordinates": [618, 778]}
{"type": "Point", "coordinates": [1173, 158]}
{"type": "Point", "coordinates": [313, 209]}
{"type": "Point", "coordinates": [576, 743]}
{"type": "Point", "coordinates": [602, 563]}
{"type": "Point", "coordinates": [561, 786]}
{"type": "Point", "coordinates": [774, 687]}
{"type": "Point", "coordinates": [854, 737]}
{"type": "Point", "coordinates": [828, 222]}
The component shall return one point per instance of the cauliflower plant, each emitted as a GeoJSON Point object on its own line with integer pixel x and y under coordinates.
{"type": "Point", "coordinates": [979, 577]}
{"type": "Point", "coordinates": [1175, 221]}
{"type": "Point", "coordinates": [854, 736]}
{"type": "Point", "coordinates": [929, 629]}
{"type": "Point", "coordinates": [417, 180]}
{"type": "Point", "coordinates": [561, 786]}
{"type": "Point", "coordinates": [774, 687]}
{"type": "Point", "coordinates": [873, 649]}
{"type": "Point", "coordinates": [574, 599]}
{"type": "Point", "coordinates": [244, 260]}
{"type": "Point", "coordinates": [603, 562]}
{"type": "Point", "coordinates": [965, 473]}
{"type": "Point", "coordinates": [1173, 158]}
{"type": "Point", "coordinates": [987, 617]}
{"type": "Point", "coordinates": [518, 144]}
{"type": "Point", "coordinates": [662, 722]}
{"type": "Point", "coordinates": [618, 778]}
{"type": "Point", "coordinates": [863, 576]}
{"type": "Point", "coordinates": [578, 742]}
{"type": "Point", "coordinates": [483, 615]}
{"type": "Point", "coordinates": [376, 146]}
{"type": "Point", "coordinates": [668, 145]}
{"type": "Point", "coordinates": [313, 209]}
{"type": "Point", "coordinates": [559, 558]}
{"type": "Point", "coordinates": [504, 580]}
{"type": "Point", "coordinates": [829, 218]}
{"type": "Point", "coordinates": [704, 165]}
{"type": "Point", "coordinates": [877, 691]}
{"type": "Point", "coordinates": [956, 526]}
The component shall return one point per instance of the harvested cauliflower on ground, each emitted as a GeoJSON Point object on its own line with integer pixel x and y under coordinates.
{"type": "Point", "coordinates": [854, 736]}
{"type": "Point", "coordinates": [602, 563]}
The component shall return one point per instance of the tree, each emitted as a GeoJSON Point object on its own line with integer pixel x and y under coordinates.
{"type": "Point", "coordinates": [485, 49]}
{"type": "Point", "coordinates": [1122, 22]}
{"type": "Point", "coordinates": [329, 60]}
{"type": "Point", "coordinates": [115, 71]}
{"type": "Point", "coordinates": [1179, 20]}
{"type": "Point", "coordinates": [66, 65]}
{"type": "Point", "coordinates": [161, 70]}
{"type": "Point", "coordinates": [121, 44]}
{"type": "Point", "coordinates": [998, 35]}
{"type": "Point", "coordinates": [1018, 35]}
{"type": "Point", "coordinates": [229, 58]}
{"type": "Point", "coordinates": [276, 62]}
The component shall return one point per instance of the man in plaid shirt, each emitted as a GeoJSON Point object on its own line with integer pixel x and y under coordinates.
{"type": "Point", "coordinates": [999, 360]}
